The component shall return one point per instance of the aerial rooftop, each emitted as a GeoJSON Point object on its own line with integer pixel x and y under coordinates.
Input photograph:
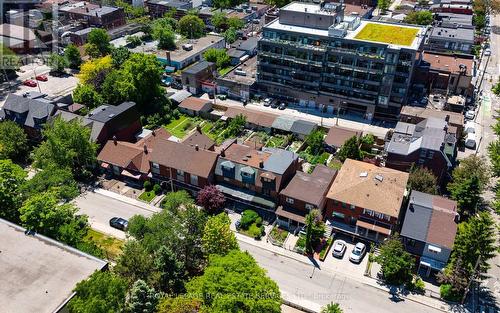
{"type": "Point", "coordinates": [38, 273]}
{"type": "Point", "coordinates": [388, 33]}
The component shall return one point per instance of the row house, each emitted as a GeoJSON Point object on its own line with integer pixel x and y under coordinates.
{"type": "Point", "coordinates": [429, 230]}
{"type": "Point", "coordinates": [304, 193]}
{"type": "Point", "coordinates": [254, 176]}
{"type": "Point", "coordinates": [180, 165]}
{"type": "Point", "coordinates": [365, 200]}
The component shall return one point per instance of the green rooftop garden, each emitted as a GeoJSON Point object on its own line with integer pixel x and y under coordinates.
{"type": "Point", "coordinates": [391, 34]}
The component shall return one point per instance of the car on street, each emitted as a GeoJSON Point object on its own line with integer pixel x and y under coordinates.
{"type": "Point", "coordinates": [357, 253]}
{"type": "Point", "coordinates": [339, 247]}
{"type": "Point", "coordinates": [30, 83]}
{"type": "Point", "coordinates": [274, 104]}
{"type": "Point", "coordinates": [487, 52]}
{"type": "Point", "coordinates": [469, 115]}
{"type": "Point", "coordinates": [282, 106]}
{"type": "Point", "coordinates": [470, 127]}
{"type": "Point", "coordinates": [470, 141]}
{"type": "Point", "coordinates": [267, 102]}
{"type": "Point", "coordinates": [42, 78]}
{"type": "Point", "coordinates": [118, 223]}
{"type": "Point", "coordinates": [176, 85]}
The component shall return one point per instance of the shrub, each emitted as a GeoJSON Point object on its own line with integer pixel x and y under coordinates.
{"type": "Point", "coordinates": [258, 221]}
{"type": "Point", "coordinates": [416, 285]}
{"type": "Point", "coordinates": [157, 189]}
{"type": "Point", "coordinates": [447, 292]}
{"type": "Point", "coordinates": [255, 231]}
{"type": "Point", "coordinates": [147, 185]}
{"type": "Point", "coordinates": [248, 218]}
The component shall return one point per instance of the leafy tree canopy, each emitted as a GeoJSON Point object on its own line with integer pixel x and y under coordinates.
{"type": "Point", "coordinates": [87, 95]}
{"type": "Point", "coordinates": [349, 150]}
{"type": "Point", "coordinates": [13, 141]}
{"type": "Point", "coordinates": [191, 26]}
{"type": "Point", "coordinates": [397, 264]}
{"type": "Point", "coordinates": [99, 38]}
{"type": "Point", "coordinates": [12, 177]}
{"type": "Point", "coordinates": [423, 180]}
{"type": "Point", "coordinates": [217, 236]}
{"type": "Point", "coordinates": [55, 179]}
{"type": "Point", "coordinates": [73, 56]}
{"type": "Point", "coordinates": [93, 72]}
{"type": "Point", "coordinates": [419, 18]}
{"type": "Point", "coordinates": [315, 142]}
{"type": "Point", "coordinates": [211, 198]}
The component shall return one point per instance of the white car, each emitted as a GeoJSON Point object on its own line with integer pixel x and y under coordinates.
{"type": "Point", "coordinates": [470, 141]}
{"type": "Point", "coordinates": [470, 127]}
{"type": "Point", "coordinates": [358, 252]}
{"type": "Point", "coordinates": [487, 52]}
{"type": "Point", "coordinates": [267, 102]}
{"type": "Point", "coordinates": [470, 114]}
{"type": "Point", "coordinates": [339, 247]}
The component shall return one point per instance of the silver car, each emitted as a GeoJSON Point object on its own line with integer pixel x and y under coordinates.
{"type": "Point", "coordinates": [339, 247]}
{"type": "Point", "coordinates": [358, 252]}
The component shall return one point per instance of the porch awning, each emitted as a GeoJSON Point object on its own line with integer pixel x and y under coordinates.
{"type": "Point", "coordinates": [105, 165]}
{"type": "Point", "coordinates": [267, 175]}
{"type": "Point", "coordinates": [247, 170]}
{"type": "Point", "coordinates": [245, 195]}
{"type": "Point", "coordinates": [130, 175]}
{"type": "Point", "coordinates": [377, 228]}
{"type": "Point", "coordinates": [287, 213]}
{"type": "Point", "coordinates": [434, 264]}
{"type": "Point", "coordinates": [227, 165]}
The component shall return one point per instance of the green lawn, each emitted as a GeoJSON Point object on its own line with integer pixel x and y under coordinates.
{"type": "Point", "coordinates": [224, 71]}
{"type": "Point", "coordinates": [176, 127]}
{"type": "Point", "coordinates": [392, 34]}
{"type": "Point", "coordinates": [111, 246]}
{"type": "Point", "coordinates": [276, 142]}
{"type": "Point", "coordinates": [147, 196]}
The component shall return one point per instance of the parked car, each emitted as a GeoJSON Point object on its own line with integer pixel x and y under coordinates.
{"type": "Point", "coordinates": [267, 102]}
{"type": "Point", "coordinates": [487, 52]}
{"type": "Point", "coordinates": [222, 97]}
{"type": "Point", "coordinates": [238, 224]}
{"type": "Point", "coordinates": [274, 104]}
{"type": "Point", "coordinates": [339, 247]}
{"type": "Point", "coordinates": [470, 114]}
{"type": "Point", "coordinates": [176, 85]}
{"type": "Point", "coordinates": [282, 106]}
{"type": "Point", "coordinates": [30, 83]}
{"type": "Point", "coordinates": [357, 253]}
{"type": "Point", "coordinates": [470, 127]}
{"type": "Point", "coordinates": [118, 223]}
{"type": "Point", "coordinates": [470, 141]}
{"type": "Point", "coordinates": [42, 78]}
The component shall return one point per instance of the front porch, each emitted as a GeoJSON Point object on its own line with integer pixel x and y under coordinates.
{"type": "Point", "coordinates": [289, 218]}
{"type": "Point", "coordinates": [371, 231]}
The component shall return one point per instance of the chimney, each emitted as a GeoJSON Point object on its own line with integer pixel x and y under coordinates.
{"type": "Point", "coordinates": [198, 128]}
{"type": "Point", "coordinates": [168, 58]}
{"type": "Point", "coordinates": [222, 153]}
{"type": "Point", "coordinates": [86, 9]}
{"type": "Point", "coordinates": [153, 133]}
{"type": "Point", "coordinates": [447, 118]}
{"type": "Point", "coordinates": [145, 149]}
{"type": "Point", "coordinates": [196, 147]}
{"type": "Point", "coordinates": [114, 140]}
{"type": "Point", "coordinates": [261, 164]}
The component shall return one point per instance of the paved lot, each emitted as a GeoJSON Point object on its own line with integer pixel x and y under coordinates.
{"type": "Point", "coordinates": [344, 265]}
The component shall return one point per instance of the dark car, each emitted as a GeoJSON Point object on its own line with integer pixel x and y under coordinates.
{"type": "Point", "coordinates": [238, 225]}
{"type": "Point", "coordinates": [176, 85]}
{"type": "Point", "coordinates": [118, 223]}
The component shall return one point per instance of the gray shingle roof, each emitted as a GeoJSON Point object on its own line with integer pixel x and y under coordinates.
{"type": "Point", "coordinates": [29, 110]}
{"type": "Point", "coordinates": [105, 113]}
{"type": "Point", "coordinates": [418, 216]}
{"type": "Point", "coordinates": [428, 134]}
{"type": "Point", "coordinates": [198, 67]}
{"type": "Point", "coordinates": [279, 161]}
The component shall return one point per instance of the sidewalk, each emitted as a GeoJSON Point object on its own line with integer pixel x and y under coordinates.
{"type": "Point", "coordinates": [128, 200]}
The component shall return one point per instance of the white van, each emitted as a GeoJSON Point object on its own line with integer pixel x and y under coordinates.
{"type": "Point", "coordinates": [470, 141]}
{"type": "Point", "coordinates": [470, 127]}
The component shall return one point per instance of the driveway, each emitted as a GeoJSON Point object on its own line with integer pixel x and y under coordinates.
{"type": "Point", "coordinates": [344, 265]}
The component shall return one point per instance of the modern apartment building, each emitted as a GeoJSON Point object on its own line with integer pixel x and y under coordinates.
{"type": "Point", "coordinates": [319, 57]}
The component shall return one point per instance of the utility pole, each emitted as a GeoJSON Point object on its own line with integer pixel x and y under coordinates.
{"type": "Point", "coordinates": [484, 72]}
{"type": "Point", "coordinates": [473, 275]}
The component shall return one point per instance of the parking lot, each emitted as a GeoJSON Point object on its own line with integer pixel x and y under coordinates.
{"type": "Point", "coordinates": [344, 265]}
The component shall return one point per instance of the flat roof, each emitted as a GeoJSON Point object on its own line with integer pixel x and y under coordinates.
{"type": "Point", "coordinates": [387, 33]}
{"type": "Point", "coordinates": [199, 44]}
{"type": "Point", "coordinates": [39, 273]}
{"type": "Point", "coordinates": [249, 67]}
{"type": "Point", "coordinates": [307, 7]}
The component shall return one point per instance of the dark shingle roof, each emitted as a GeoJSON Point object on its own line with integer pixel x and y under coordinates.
{"type": "Point", "coordinates": [198, 67]}
{"type": "Point", "coordinates": [30, 109]}
{"type": "Point", "coordinates": [105, 113]}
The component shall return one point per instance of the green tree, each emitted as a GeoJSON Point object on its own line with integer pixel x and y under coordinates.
{"type": "Point", "coordinates": [12, 177]}
{"type": "Point", "coordinates": [473, 166]}
{"type": "Point", "coordinates": [118, 87]}
{"type": "Point", "coordinates": [315, 142]}
{"type": "Point", "coordinates": [43, 213]}
{"type": "Point", "coordinates": [73, 56]}
{"type": "Point", "coordinates": [475, 241]}
{"type": "Point", "coordinates": [315, 230]}
{"type": "Point", "coordinates": [57, 62]}
{"type": "Point", "coordinates": [226, 4]}
{"type": "Point", "coordinates": [219, 20]}
{"type": "Point", "coordinates": [143, 299]}
{"type": "Point", "coordinates": [467, 194]}
{"type": "Point", "coordinates": [191, 26]}
{"type": "Point", "coordinates": [56, 179]}
{"type": "Point", "coordinates": [230, 35]}
{"type": "Point", "coordinates": [236, 273]}
{"type": "Point", "coordinates": [235, 22]}
{"type": "Point", "coordinates": [145, 71]}
{"type": "Point", "coordinates": [494, 154]}
{"type": "Point", "coordinates": [13, 141]}
{"type": "Point", "coordinates": [119, 56]}
{"type": "Point", "coordinates": [217, 56]}
{"type": "Point", "coordinates": [383, 5]}
{"type": "Point", "coordinates": [9, 61]}
{"type": "Point", "coordinates": [278, 3]}
{"type": "Point", "coordinates": [423, 180]}
{"type": "Point", "coordinates": [133, 41]}
{"type": "Point", "coordinates": [217, 237]}
{"type": "Point", "coordinates": [349, 150]}
{"type": "Point", "coordinates": [94, 72]}
{"type": "Point", "coordinates": [170, 271]}
{"type": "Point", "coordinates": [419, 18]}
{"type": "Point", "coordinates": [67, 145]}
{"type": "Point", "coordinates": [235, 126]}
{"type": "Point", "coordinates": [135, 263]}
{"type": "Point", "coordinates": [166, 38]}
{"type": "Point", "coordinates": [102, 292]}
{"type": "Point", "coordinates": [87, 95]}
{"type": "Point", "coordinates": [99, 38]}
{"type": "Point", "coordinates": [331, 308]}
{"type": "Point", "coordinates": [179, 305]}
{"type": "Point", "coordinates": [396, 263]}
{"type": "Point", "coordinates": [92, 51]}
{"type": "Point", "coordinates": [173, 200]}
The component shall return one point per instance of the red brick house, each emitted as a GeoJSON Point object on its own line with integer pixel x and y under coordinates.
{"type": "Point", "coordinates": [304, 193]}
{"type": "Point", "coordinates": [365, 200]}
{"type": "Point", "coordinates": [180, 165]}
{"type": "Point", "coordinates": [130, 161]}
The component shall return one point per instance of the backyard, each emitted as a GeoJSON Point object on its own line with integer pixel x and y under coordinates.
{"type": "Point", "coordinates": [278, 236]}
{"type": "Point", "coordinates": [147, 196]}
{"type": "Point", "coordinates": [184, 124]}
{"type": "Point", "coordinates": [393, 34]}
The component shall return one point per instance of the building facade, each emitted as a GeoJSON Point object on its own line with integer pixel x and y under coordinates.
{"type": "Point", "coordinates": [318, 57]}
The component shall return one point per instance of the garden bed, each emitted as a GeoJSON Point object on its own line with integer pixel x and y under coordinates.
{"type": "Point", "coordinates": [277, 236]}
{"type": "Point", "coordinates": [295, 146]}
{"type": "Point", "coordinates": [278, 141]}
{"type": "Point", "coordinates": [326, 247]}
{"type": "Point", "coordinates": [112, 247]}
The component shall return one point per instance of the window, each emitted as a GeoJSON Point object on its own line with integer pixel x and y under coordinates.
{"type": "Point", "coordinates": [309, 206]}
{"type": "Point", "coordinates": [155, 168]}
{"type": "Point", "coordinates": [423, 153]}
{"type": "Point", "coordinates": [289, 200]}
{"type": "Point", "coordinates": [344, 205]}
{"type": "Point", "coordinates": [353, 206]}
{"type": "Point", "coordinates": [368, 212]}
{"type": "Point", "coordinates": [434, 249]}
{"type": "Point", "coordinates": [410, 242]}
{"type": "Point", "coordinates": [194, 180]}
{"type": "Point", "coordinates": [180, 175]}
{"type": "Point", "coordinates": [379, 215]}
